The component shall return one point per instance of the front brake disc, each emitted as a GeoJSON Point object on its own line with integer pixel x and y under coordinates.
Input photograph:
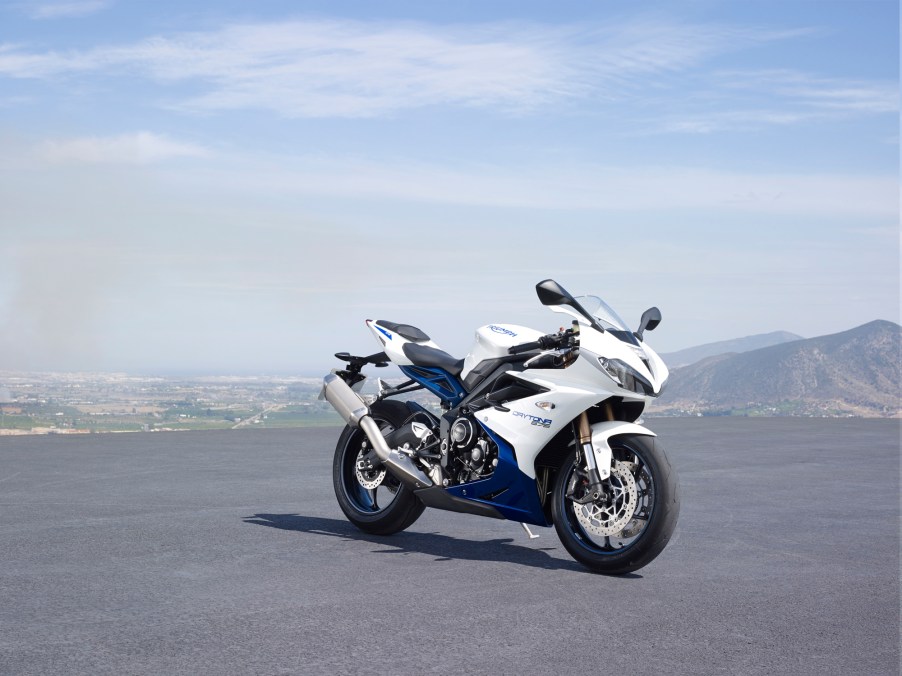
{"type": "Point", "coordinates": [610, 514]}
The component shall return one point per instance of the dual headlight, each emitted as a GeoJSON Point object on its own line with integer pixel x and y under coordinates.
{"type": "Point", "coordinates": [626, 376]}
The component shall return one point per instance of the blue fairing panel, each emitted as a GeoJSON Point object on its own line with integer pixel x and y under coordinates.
{"type": "Point", "coordinates": [508, 490]}
{"type": "Point", "coordinates": [438, 381]}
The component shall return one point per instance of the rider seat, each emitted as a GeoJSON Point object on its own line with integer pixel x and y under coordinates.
{"type": "Point", "coordinates": [423, 355]}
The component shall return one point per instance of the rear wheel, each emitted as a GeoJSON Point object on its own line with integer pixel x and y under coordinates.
{"type": "Point", "coordinates": [371, 497]}
{"type": "Point", "coordinates": [630, 525]}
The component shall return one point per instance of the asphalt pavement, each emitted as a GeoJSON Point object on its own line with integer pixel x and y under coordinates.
{"type": "Point", "coordinates": [226, 553]}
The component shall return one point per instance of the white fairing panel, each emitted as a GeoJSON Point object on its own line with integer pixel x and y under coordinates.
{"type": "Point", "coordinates": [658, 367]}
{"type": "Point", "coordinates": [494, 340]}
{"type": "Point", "coordinates": [528, 427]}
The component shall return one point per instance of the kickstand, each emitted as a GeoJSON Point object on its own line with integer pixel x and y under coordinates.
{"type": "Point", "coordinates": [532, 536]}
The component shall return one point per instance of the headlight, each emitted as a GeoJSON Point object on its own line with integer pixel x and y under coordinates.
{"type": "Point", "coordinates": [626, 376]}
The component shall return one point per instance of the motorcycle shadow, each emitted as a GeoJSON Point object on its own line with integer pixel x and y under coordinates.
{"type": "Point", "coordinates": [442, 547]}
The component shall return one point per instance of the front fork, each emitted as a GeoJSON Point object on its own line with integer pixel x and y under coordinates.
{"type": "Point", "coordinates": [597, 474]}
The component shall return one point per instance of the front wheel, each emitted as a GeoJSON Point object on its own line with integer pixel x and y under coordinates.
{"type": "Point", "coordinates": [370, 496]}
{"type": "Point", "coordinates": [628, 526]}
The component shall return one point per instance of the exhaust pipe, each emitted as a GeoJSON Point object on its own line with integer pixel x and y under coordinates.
{"type": "Point", "coordinates": [354, 412]}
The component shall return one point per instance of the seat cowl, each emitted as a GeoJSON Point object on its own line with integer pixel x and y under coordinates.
{"type": "Point", "coordinates": [423, 355]}
{"type": "Point", "coordinates": [404, 330]}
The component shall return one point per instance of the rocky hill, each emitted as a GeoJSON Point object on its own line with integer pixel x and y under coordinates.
{"type": "Point", "coordinates": [692, 355]}
{"type": "Point", "coordinates": [856, 372]}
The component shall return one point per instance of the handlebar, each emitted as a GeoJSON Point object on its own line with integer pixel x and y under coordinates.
{"type": "Point", "coordinates": [549, 341]}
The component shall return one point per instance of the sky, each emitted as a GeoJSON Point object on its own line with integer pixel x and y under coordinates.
{"type": "Point", "coordinates": [234, 186]}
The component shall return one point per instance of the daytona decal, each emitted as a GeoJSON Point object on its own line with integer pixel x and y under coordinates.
{"type": "Point", "coordinates": [534, 419]}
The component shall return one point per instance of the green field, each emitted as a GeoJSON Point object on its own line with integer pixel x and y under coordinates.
{"type": "Point", "coordinates": [108, 403]}
{"type": "Point", "coordinates": [179, 418]}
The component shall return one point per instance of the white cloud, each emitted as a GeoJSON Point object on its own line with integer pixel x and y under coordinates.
{"type": "Point", "coordinates": [61, 10]}
{"type": "Point", "coordinates": [748, 100]}
{"type": "Point", "coordinates": [729, 120]}
{"type": "Point", "coordinates": [319, 68]}
{"type": "Point", "coordinates": [565, 186]}
{"type": "Point", "coordinates": [138, 148]}
{"type": "Point", "coordinates": [569, 187]}
{"type": "Point", "coordinates": [822, 93]}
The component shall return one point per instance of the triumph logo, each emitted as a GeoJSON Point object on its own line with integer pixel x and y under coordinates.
{"type": "Point", "coordinates": [534, 419]}
{"type": "Point", "coordinates": [501, 329]}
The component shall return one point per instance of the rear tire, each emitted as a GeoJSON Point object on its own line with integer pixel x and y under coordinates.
{"type": "Point", "coordinates": [390, 507]}
{"type": "Point", "coordinates": [585, 530]}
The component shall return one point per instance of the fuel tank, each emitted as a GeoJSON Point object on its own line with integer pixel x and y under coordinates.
{"type": "Point", "coordinates": [494, 340]}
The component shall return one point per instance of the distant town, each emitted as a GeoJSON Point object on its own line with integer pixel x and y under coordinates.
{"type": "Point", "coordinates": [73, 403]}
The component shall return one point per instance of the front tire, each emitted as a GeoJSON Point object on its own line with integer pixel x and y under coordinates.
{"type": "Point", "coordinates": [374, 501]}
{"type": "Point", "coordinates": [628, 528]}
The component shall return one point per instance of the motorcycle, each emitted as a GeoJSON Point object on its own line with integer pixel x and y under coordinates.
{"type": "Point", "coordinates": [539, 429]}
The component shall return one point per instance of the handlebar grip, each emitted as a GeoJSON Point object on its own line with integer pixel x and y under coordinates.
{"type": "Point", "coordinates": [524, 347]}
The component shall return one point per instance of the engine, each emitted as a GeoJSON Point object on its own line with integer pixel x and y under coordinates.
{"type": "Point", "coordinates": [465, 454]}
{"type": "Point", "coordinates": [470, 453]}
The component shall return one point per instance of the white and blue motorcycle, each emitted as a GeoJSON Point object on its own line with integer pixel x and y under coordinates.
{"type": "Point", "coordinates": [534, 428]}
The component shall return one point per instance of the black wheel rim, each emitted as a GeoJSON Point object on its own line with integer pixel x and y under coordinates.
{"type": "Point", "coordinates": [369, 501]}
{"type": "Point", "coordinates": [636, 527]}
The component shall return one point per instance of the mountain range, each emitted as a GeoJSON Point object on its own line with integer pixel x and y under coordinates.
{"type": "Point", "coordinates": [855, 372]}
{"type": "Point", "coordinates": [693, 354]}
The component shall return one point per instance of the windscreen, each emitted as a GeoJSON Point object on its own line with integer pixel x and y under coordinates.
{"type": "Point", "coordinates": [608, 319]}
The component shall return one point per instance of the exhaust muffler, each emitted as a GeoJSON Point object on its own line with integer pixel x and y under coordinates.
{"type": "Point", "coordinates": [355, 412]}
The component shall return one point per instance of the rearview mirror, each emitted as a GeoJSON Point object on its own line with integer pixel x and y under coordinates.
{"type": "Point", "coordinates": [552, 293]}
{"type": "Point", "coordinates": [650, 319]}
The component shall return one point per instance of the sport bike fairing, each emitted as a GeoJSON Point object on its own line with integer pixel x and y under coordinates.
{"type": "Point", "coordinates": [566, 397]}
{"type": "Point", "coordinates": [525, 429]}
{"type": "Point", "coordinates": [611, 343]}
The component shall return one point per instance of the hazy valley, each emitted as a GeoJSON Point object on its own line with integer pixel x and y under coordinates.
{"type": "Point", "coordinates": [853, 373]}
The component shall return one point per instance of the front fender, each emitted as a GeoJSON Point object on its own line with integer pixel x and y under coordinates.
{"type": "Point", "coordinates": [602, 432]}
